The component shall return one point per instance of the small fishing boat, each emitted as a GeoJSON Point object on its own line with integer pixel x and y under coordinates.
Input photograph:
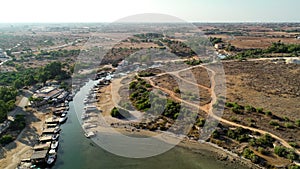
{"type": "Point", "coordinates": [57, 129]}
{"type": "Point", "coordinates": [89, 134]}
{"type": "Point", "coordinates": [55, 136]}
{"type": "Point", "coordinates": [52, 152]}
{"type": "Point", "coordinates": [54, 144]}
{"type": "Point", "coordinates": [51, 159]}
{"type": "Point", "coordinates": [84, 116]}
{"type": "Point", "coordinates": [63, 119]}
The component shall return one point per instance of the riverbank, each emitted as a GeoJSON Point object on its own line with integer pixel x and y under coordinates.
{"type": "Point", "coordinates": [206, 149]}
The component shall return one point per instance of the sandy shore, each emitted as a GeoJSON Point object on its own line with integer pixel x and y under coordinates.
{"type": "Point", "coordinates": [203, 148]}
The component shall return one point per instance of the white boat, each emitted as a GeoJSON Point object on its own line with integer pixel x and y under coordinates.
{"type": "Point", "coordinates": [54, 144]}
{"type": "Point", "coordinates": [84, 116]}
{"type": "Point", "coordinates": [55, 136]}
{"type": "Point", "coordinates": [88, 125]}
{"type": "Point", "coordinates": [52, 152]}
{"type": "Point", "coordinates": [90, 108]}
{"type": "Point", "coordinates": [63, 115]}
{"type": "Point", "coordinates": [56, 130]}
{"type": "Point", "coordinates": [89, 134]}
{"type": "Point", "coordinates": [63, 119]}
{"type": "Point", "coordinates": [51, 159]}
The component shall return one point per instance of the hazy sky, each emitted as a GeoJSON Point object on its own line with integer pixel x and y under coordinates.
{"type": "Point", "coordinates": [112, 10]}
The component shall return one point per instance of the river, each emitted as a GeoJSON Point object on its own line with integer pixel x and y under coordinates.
{"type": "Point", "coordinates": [77, 152]}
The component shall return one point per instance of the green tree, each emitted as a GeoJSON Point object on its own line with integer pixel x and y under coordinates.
{"type": "Point", "coordinates": [18, 84]}
{"type": "Point", "coordinates": [5, 139]}
{"type": "Point", "coordinates": [280, 151]}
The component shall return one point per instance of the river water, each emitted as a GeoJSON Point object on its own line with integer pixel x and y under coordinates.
{"type": "Point", "coordinates": [77, 152]}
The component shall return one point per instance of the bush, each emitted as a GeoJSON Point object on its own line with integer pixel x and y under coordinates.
{"type": "Point", "coordinates": [215, 134]}
{"type": "Point", "coordinates": [228, 104]}
{"type": "Point", "coordinates": [236, 110]}
{"type": "Point", "coordinates": [294, 167]}
{"type": "Point", "coordinates": [120, 113]}
{"type": "Point", "coordinates": [177, 90]}
{"type": "Point", "coordinates": [249, 154]}
{"type": "Point", "coordinates": [5, 139]}
{"type": "Point", "coordinates": [297, 123]}
{"type": "Point", "coordinates": [289, 125]}
{"type": "Point", "coordinates": [293, 144]}
{"type": "Point", "coordinates": [280, 151]}
{"type": "Point", "coordinates": [273, 123]}
{"type": "Point", "coordinates": [146, 74]}
{"type": "Point", "coordinates": [259, 110]}
{"type": "Point", "coordinates": [249, 109]}
{"type": "Point", "coordinates": [262, 150]}
{"type": "Point", "coordinates": [268, 113]}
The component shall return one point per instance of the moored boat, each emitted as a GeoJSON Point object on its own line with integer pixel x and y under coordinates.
{"type": "Point", "coordinates": [51, 159]}
{"type": "Point", "coordinates": [55, 136]}
{"type": "Point", "coordinates": [89, 134]}
{"type": "Point", "coordinates": [63, 119]}
{"type": "Point", "coordinates": [54, 144]}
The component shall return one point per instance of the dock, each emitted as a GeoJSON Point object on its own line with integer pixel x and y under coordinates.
{"type": "Point", "coordinates": [44, 146]}
{"type": "Point", "coordinates": [39, 155]}
{"type": "Point", "coordinates": [45, 138]}
{"type": "Point", "coordinates": [52, 120]}
{"type": "Point", "coordinates": [49, 131]}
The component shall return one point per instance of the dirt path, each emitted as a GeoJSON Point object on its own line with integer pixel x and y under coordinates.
{"type": "Point", "coordinates": [209, 110]}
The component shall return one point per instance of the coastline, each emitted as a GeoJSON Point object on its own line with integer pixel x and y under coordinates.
{"type": "Point", "coordinates": [219, 153]}
{"type": "Point", "coordinates": [202, 148]}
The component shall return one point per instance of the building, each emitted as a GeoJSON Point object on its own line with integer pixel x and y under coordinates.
{"type": "Point", "coordinates": [219, 46]}
{"type": "Point", "coordinates": [48, 92]}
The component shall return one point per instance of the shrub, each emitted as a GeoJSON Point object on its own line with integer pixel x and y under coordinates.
{"type": "Point", "coordinates": [280, 151]}
{"type": "Point", "coordinates": [119, 113]}
{"type": "Point", "coordinates": [289, 125]}
{"type": "Point", "coordinates": [235, 110]}
{"type": "Point", "coordinates": [215, 134]}
{"type": "Point", "coordinates": [249, 154]}
{"type": "Point", "coordinates": [5, 139]}
{"type": "Point", "coordinates": [200, 122]}
{"type": "Point", "coordinates": [268, 113]}
{"type": "Point", "coordinates": [229, 104]}
{"type": "Point", "coordinates": [297, 123]}
{"type": "Point", "coordinates": [273, 123]}
{"type": "Point", "coordinates": [176, 90]}
{"type": "Point", "coordinates": [259, 110]}
{"type": "Point", "coordinates": [286, 118]}
{"type": "Point", "coordinates": [234, 119]}
{"type": "Point", "coordinates": [293, 144]}
{"type": "Point", "coordinates": [249, 109]}
{"type": "Point", "coordinates": [262, 150]}
{"type": "Point", "coordinates": [294, 167]}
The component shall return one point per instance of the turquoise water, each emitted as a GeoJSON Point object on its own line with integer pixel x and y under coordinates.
{"type": "Point", "coordinates": [77, 152]}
